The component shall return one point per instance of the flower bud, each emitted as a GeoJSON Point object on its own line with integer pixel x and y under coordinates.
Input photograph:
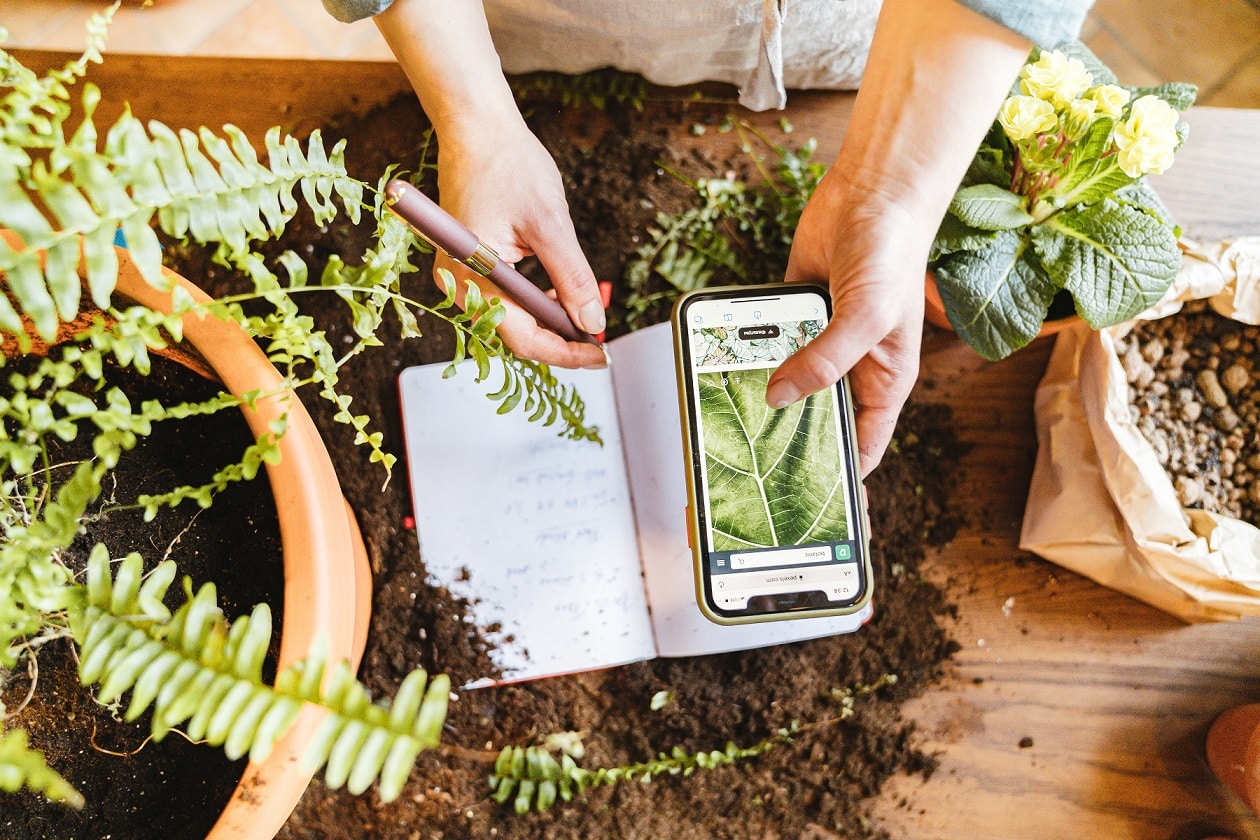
{"type": "Point", "coordinates": [1079, 116]}
{"type": "Point", "coordinates": [1023, 117]}
{"type": "Point", "coordinates": [1055, 78]}
{"type": "Point", "coordinates": [1111, 99]}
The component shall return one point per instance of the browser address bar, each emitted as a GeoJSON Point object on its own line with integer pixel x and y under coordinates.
{"type": "Point", "coordinates": [782, 557]}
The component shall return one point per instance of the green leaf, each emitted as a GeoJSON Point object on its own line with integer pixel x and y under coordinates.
{"type": "Point", "coordinates": [996, 299]}
{"type": "Point", "coordinates": [992, 161]}
{"type": "Point", "coordinates": [781, 482]}
{"type": "Point", "coordinates": [23, 767]}
{"type": "Point", "coordinates": [1179, 95]}
{"type": "Point", "coordinates": [989, 207]}
{"type": "Point", "coordinates": [1092, 174]}
{"type": "Point", "coordinates": [954, 236]}
{"type": "Point", "coordinates": [1115, 259]}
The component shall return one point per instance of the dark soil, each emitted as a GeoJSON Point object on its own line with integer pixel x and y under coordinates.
{"type": "Point", "coordinates": [818, 786]}
{"type": "Point", "coordinates": [134, 787]}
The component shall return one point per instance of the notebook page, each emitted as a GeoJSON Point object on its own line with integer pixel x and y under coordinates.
{"type": "Point", "coordinates": [535, 531]}
{"type": "Point", "coordinates": [644, 380]}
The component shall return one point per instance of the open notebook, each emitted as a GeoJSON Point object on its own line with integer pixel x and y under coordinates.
{"type": "Point", "coordinates": [573, 556]}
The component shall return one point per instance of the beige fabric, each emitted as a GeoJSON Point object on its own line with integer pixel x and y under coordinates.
{"type": "Point", "coordinates": [761, 46]}
{"type": "Point", "coordinates": [1101, 504]}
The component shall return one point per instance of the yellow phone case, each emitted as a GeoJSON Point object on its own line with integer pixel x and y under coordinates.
{"type": "Point", "coordinates": [691, 454]}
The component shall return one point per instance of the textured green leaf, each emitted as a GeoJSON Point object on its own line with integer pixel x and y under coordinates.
{"type": "Point", "coordinates": [1179, 95]}
{"type": "Point", "coordinates": [774, 476]}
{"type": "Point", "coordinates": [996, 299]}
{"type": "Point", "coordinates": [1115, 259]}
{"type": "Point", "coordinates": [989, 207]}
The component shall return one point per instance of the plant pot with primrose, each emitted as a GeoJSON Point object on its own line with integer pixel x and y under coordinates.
{"type": "Point", "coordinates": [1054, 221]}
{"type": "Point", "coordinates": [139, 647]}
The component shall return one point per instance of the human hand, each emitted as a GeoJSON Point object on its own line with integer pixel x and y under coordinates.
{"type": "Point", "coordinates": [504, 186]}
{"type": "Point", "coordinates": [871, 252]}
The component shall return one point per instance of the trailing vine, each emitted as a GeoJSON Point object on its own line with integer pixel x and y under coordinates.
{"type": "Point", "coordinates": [531, 778]}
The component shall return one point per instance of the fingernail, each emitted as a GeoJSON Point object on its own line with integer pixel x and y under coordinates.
{"type": "Point", "coordinates": [781, 394]}
{"type": "Point", "coordinates": [592, 317]}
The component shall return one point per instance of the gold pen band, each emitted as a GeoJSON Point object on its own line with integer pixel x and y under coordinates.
{"type": "Point", "coordinates": [482, 260]}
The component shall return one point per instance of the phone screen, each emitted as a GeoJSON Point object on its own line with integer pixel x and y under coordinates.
{"type": "Point", "coordinates": [777, 498]}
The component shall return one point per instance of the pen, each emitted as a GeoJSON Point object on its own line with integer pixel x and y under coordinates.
{"type": "Point", "coordinates": [442, 231]}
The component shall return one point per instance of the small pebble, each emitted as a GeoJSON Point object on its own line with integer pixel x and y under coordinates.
{"type": "Point", "coordinates": [1235, 378]}
{"type": "Point", "coordinates": [1200, 410]}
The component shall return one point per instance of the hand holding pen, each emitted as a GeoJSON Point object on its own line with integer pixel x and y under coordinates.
{"type": "Point", "coordinates": [559, 341]}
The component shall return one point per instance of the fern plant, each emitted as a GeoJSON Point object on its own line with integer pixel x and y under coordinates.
{"type": "Point", "coordinates": [64, 197]}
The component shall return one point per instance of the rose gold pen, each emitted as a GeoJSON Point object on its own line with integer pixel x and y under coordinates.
{"type": "Point", "coordinates": [444, 232]}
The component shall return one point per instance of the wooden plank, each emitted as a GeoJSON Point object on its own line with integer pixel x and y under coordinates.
{"type": "Point", "coordinates": [252, 94]}
{"type": "Point", "coordinates": [1212, 188]}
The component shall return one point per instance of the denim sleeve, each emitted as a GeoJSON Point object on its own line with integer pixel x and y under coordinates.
{"type": "Point", "coordinates": [348, 11]}
{"type": "Point", "coordinates": [1047, 23]}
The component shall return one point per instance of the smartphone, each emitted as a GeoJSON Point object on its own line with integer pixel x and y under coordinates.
{"type": "Point", "coordinates": [776, 509]}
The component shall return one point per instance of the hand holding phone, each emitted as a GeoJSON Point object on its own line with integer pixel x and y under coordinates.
{"type": "Point", "coordinates": [776, 506]}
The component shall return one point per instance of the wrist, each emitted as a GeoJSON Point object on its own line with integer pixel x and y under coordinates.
{"type": "Point", "coordinates": [936, 75]}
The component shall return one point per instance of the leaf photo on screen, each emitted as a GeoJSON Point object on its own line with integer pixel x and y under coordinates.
{"type": "Point", "coordinates": [775, 478]}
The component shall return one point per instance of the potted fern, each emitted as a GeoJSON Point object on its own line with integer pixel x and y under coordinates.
{"type": "Point", "coordinates": [1055, 217]}
{"type": "Point", "coordinates": [65, 197]}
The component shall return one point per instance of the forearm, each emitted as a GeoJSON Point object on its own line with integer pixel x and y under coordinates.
{"type": "Point", "coordinates": [444, 47]}
{"type": "Point", "coordinates": [936, 75]}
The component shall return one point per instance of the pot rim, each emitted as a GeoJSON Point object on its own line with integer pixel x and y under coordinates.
{"type": "Point", "coordinates": [324, 554]}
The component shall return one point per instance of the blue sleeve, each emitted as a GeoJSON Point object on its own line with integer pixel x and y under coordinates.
{"type": "Point", "coordinates": [348, 11]}
{"type": "Point", "coordinates": [1047, 23]}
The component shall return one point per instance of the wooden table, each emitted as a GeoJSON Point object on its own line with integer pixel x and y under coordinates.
{"type": "Point", "coordinates": [1110, 699]}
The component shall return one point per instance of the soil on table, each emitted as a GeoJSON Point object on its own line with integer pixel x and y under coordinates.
{"type": "Point", "coordinates": [135, 787]}
{"type": "Point", "coordinates": [817, 786]}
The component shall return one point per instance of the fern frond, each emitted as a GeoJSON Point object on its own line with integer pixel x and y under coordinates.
{"type": "Point", "coordinates": [532, 779]}
{"type": "Point", "coordinates": [22, 767]}
{"type": "Point", "coordinates": [199, 184]}
{"type": "Point", "coordinates": [197, 670]}
{"type": "Point", "coordinates": [32, 583]}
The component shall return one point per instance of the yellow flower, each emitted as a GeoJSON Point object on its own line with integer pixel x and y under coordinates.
{"type": "Point", "coordinates": [1055, 78]}
{"type": "Point", "coordinates": [1027, 116]}
{"type": "Point", "coordinates": [1147, 139]}
{"type": "Point", "coordinates": [1111, 99]}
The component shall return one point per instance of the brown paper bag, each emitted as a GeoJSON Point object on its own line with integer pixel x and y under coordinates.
{"type": "Point", "coordinates": [1101, 504]}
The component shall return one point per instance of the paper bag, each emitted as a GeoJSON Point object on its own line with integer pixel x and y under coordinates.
{"type": "Point", "coordinates": [1100, 502]}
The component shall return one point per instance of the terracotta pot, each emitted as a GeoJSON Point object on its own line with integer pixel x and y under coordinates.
{"type": "Point", "coordinates": [1233, 752]}
{"type": "Point", "coordinates": [934, 311]}
{"type": "Point", "coordinates": [328, 581]}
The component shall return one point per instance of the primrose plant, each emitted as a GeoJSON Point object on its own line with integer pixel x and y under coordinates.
{"type": "Point", "coordinates": [1056, 203]}
{"type": "Point", "coordinates": [63, 197]}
